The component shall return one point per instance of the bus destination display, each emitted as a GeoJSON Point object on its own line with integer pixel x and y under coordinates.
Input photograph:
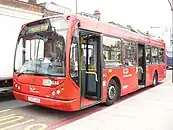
{"type": "Point", "coordinates": [38, 28]}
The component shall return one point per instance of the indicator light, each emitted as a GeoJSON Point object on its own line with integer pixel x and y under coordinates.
{"type": "Point", "coordinates": [53, 93]}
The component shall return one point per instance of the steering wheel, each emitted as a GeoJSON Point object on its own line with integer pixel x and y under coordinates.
{"type": "Point", "coordinates": [41, 59]}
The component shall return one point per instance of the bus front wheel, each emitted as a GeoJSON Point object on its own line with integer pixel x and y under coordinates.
{"type": "Point", "coordinates": [113, 92]}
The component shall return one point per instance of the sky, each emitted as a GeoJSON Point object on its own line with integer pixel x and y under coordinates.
{"type": "Point", "coordinates": [141, 14]}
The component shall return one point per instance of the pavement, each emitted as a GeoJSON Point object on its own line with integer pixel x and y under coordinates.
{"type": "Point", "coordinates": [151, 109]}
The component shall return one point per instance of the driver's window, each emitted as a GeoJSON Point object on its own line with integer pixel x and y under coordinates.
{"type": "Point", "coordinates": [74, 58]}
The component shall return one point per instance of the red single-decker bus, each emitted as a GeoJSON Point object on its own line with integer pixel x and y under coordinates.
{"type": "Point", "coordinates": [71, 62]}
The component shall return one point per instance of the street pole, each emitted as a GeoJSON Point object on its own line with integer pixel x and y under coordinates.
{"type": "Point", "coordinates": [76, 6]}
{"type": "Point", "coordinates": [172, 39]}
{"type": "Point", "coordinates": [171, 6]}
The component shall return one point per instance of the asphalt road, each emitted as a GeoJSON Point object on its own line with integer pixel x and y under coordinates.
{"type": "Point", "coordinates": [18, 115]}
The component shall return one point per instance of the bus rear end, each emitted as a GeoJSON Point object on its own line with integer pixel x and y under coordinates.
{"type": "Point", "coordinates": [40, 74]}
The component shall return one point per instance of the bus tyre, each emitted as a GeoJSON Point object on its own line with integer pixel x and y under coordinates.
{"type": "Point", "coordinates": [167, 67]}
{"type": "Point", "coordinates": [113, 92]}
{"type": "Point", "coordinates": [155, 80]}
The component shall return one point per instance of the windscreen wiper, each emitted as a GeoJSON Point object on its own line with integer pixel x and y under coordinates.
{"type": "Point", "coordinates": [25, 71]}
{"type": "Point", "coordinates": [50, 76]}
{"type": "Point", "coordinates": [20, 73]}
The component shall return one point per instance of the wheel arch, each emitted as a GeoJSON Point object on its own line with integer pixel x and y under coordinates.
{"type": "Point", "coordinates": [117, 80]}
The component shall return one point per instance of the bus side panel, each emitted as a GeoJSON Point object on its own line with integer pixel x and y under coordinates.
{"type": "Point", "coordinates": [105, 82]}
{"type": "Point", "coordinates": [161, 72]}
{"type": "Point", "coordinates": [150, 73]}
{"type": "Point", "coordinates": [130, 80]}
{"type": "Point", "coordinates": [109, 74]}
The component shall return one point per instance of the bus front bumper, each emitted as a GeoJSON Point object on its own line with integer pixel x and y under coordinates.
{"type": "Point", "coordinates": [71, 105]}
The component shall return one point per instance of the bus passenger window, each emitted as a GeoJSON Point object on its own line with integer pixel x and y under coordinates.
{"type": "Point", "coordinates": [161, 55]}
{"type": "Point", "coordinates": [130, 53]}
{"type": "Point", "coordinates": [148, 54]}
{"type": "Point", "coordinates": [154, 55]}
{"type": "Point", "coordinates": [112, 52]}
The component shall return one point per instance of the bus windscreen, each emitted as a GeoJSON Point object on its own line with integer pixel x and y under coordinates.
{"type": "Point", "coordinates": [42, 45]}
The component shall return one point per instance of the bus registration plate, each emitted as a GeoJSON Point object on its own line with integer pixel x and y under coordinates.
{"type": "Point", "coordinates": [32, 99]}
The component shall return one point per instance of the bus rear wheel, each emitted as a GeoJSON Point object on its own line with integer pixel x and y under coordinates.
{"type": "Point", "coordinates": [113, 92]}
{"type": "Point", "coordinates": [167, 67]}
{"type": "Point", "coordinates": [155, 80]}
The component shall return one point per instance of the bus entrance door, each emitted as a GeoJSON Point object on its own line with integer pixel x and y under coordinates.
{"type": "Point", "coordinates": [90, 77]}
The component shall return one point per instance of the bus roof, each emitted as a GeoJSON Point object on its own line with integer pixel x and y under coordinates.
{"type": "Point", "coordinates": [112, 30]}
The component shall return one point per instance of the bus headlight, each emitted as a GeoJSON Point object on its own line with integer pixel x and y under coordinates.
{"type": "Point", "coordinates": [58, 91]}
{"type": "Point", "coordinates": [16, 86]}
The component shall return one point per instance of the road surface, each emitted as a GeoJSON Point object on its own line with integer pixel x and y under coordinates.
{"type": "Point", "coordinates": [18, 115]}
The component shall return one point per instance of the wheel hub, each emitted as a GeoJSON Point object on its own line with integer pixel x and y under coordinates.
{"type": "Point", "coordinates": [111, 92]}
{"type": "Point", "coordinates": [154, 81]}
